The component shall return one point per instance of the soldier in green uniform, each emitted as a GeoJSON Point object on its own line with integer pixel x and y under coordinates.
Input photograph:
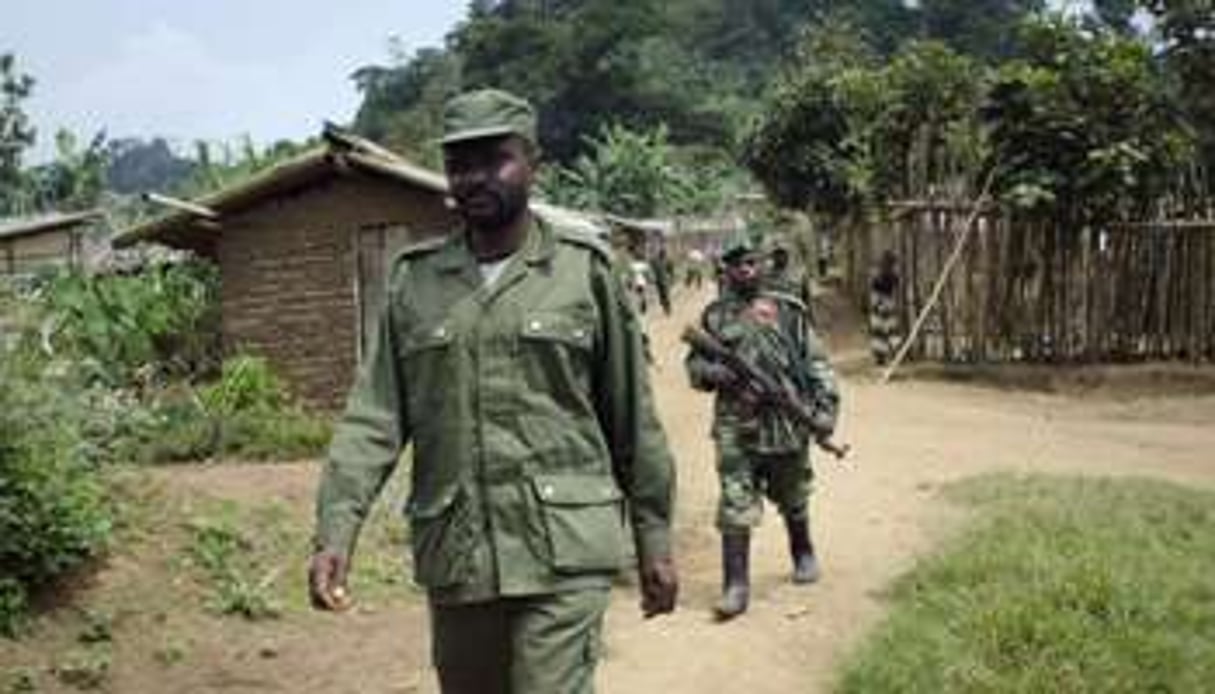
{"type": "Point", "coordinates": [509, 356]}
{"type": "Point", "coordinates": [784, 277]}
{"type": "Point", "coordinates": [761, 451]}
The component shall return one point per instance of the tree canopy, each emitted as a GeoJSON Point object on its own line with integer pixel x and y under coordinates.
{"type": "Point", "coordinates": [1082, 122]}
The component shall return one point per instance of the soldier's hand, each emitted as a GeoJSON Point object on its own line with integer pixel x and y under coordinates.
{"type": "Point", "coordinates": [659, 586]}
{"type": "Point", "coordinates": [719, 376]}
{"type": "Point", "coordinates": [327, 581]}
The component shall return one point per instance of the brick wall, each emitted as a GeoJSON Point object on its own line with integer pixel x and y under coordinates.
{"type": "Point", "coordinates": [288, 277]}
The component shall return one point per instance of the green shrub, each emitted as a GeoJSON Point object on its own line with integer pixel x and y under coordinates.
{"type": "Point", "coordinates": [247, 414]}
{"type": "Point", "coordinates": [274, 434]}
{"type": "Point", "coordinates": [233, 565]}
{"type": "Point", "coordinates": [246, 383]}
{"type": "Point", "coordinates": [161, 323]}
{"type": "Point", "coordinates": [53, 512]}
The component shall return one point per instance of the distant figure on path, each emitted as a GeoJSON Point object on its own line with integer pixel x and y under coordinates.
{"type": "Point", "coordinates": [884, 336]}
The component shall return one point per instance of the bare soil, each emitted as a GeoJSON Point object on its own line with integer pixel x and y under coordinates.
{"type": "Point", "coordinates": [873, 515]}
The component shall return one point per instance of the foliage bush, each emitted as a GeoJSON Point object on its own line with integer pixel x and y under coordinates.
{"type": "Point", "coordinates": [247, 414]}
{"type": "Point", "coordinates": [137, 329]}
{"type": "Point", "coordinates": [1079, 126]}
{"type": "Point", "coordinates": [54, 514]}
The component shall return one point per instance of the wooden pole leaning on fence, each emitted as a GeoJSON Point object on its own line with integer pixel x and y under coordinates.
{"type": "Point", "coordinates": [939, 287]}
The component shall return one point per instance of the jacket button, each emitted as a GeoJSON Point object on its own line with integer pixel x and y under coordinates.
{"type": "Point", "coordinates": [546, 491]}
{"type": "Point", "coordinates": [534, 325]}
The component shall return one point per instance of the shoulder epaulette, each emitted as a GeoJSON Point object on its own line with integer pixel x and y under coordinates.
{"type": "Point", "coordinates": [426, 245]}
{"type": "Point", "coordinates": [418, 248]}
{"type": "Point", "coordinates": [586, 240]}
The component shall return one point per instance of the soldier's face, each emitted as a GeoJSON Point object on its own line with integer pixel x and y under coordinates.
{"type": "Point", "coordinates": [743, 273]}
{"type": "Point", "coordinates": [489, 180]}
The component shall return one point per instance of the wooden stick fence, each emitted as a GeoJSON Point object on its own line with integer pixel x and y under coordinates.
{"type": "Point", "coordinates": [1025, 290]}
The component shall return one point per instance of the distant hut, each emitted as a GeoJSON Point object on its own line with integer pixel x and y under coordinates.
{"type": "Point", "coordinates": [30, 244]}
{"type": "Point", "coordinates": [302, 250]}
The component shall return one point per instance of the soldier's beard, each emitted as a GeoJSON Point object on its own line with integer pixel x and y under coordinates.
{"type": "Point", "coordinates": [509, 202]}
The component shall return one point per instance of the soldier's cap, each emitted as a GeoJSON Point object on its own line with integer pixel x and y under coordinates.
{"type": "Point", "coordinates": [487, 113]}
{"type": "Point", "coordinates": [737, 248]}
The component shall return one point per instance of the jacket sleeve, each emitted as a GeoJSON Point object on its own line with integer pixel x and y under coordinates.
{"type": "Point", "coordinates": [704, 373]}
{"type": "Point", "coordinates": [366, 446]}
{"type": "Point", "coordinates": [641, 460]}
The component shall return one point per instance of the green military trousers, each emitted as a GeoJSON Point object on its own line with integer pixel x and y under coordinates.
{"type": "Point", "coordinates": [542, 644]}
{"type": "Point", "coordinates": [746, 477]}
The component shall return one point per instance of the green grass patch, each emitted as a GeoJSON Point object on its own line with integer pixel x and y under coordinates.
{"type": "Point", "coordinates": [238, 552]}
{"type": "Point", "coordinates": [252, 558]}
{"type": "Point", "coordinates": [1062, 585]}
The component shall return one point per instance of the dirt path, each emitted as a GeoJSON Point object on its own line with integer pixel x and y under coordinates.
{"type": "Point", "coordinates": [872, 517]}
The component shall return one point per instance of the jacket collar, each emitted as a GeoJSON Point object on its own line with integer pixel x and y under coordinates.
{"type": "Point", "coordinates": [538, 248]}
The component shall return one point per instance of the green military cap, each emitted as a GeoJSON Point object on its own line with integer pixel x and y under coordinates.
{"type": "Point", "coordinates": [488, 113]}
{"type": "Point", "coordinates": [737, 247]}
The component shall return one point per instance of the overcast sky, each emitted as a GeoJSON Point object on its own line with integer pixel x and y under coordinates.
{"type": "Point", "coordinates": [214, 69]}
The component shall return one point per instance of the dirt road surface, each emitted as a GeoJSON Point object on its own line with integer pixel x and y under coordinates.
{"type": "Point", "coordinates": [872, 516]}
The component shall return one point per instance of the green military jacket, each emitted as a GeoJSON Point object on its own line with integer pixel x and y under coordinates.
{"type": "Point", "coordinates": [791, 283]}
{"type": "Point", "coordinates": [536, 447]}
{"type": "Point", "coordinates": [787, 350]}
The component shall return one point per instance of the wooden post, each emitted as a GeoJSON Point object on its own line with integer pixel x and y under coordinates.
{"type": "Point", "coordinates": [963, 237]}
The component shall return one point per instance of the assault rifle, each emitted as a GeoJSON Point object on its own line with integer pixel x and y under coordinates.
{"type": "Point", "coordinates": [763, 385]}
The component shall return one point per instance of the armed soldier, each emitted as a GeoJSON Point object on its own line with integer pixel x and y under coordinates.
{"type": "Point", "coordinates": [761, 449]}
{"type": "Point", "coordinates": [508, 354]}
{"type": "Point", "coordinates": [784, 277]}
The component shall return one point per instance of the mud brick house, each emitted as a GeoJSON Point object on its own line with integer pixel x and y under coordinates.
{"type": "Point", "coordinates": [302, 249]}
{"type": "Point", "coordinates": [28, 244]}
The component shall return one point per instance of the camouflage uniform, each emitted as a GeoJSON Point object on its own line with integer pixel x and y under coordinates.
{"type": "Point", "coordinates": [536, 451]}
{"type": "Point", "coordinates": [762, 451]}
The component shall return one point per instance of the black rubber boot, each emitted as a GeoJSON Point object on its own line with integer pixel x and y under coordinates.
{"type": "Point", "coordinates": [805, 565]}
{"type": "Point", "coordinates": [736, 582]}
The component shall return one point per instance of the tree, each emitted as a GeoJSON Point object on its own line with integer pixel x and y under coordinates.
{"type": "Point", "coordinates": [982, 28]}
{"type": "Point", "coordinates": [403, 104]}
{"type": "Point", "coordinates": [627, 173]}
{"type": "Point", "coordinates": [16, 135]}
{"type": "Point", "coordinates": [76, 179]}
{"type": "Point", "coordinates": [1186, 29]}
{"type": "Point", "coordinates": [1083, 127]}
{"type": "Point", "coordinates": [1116, 14]}
{"type": "Point", "coordinates": [136, 165]}
{"type": "Point", "coordinates": [810, 147]}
